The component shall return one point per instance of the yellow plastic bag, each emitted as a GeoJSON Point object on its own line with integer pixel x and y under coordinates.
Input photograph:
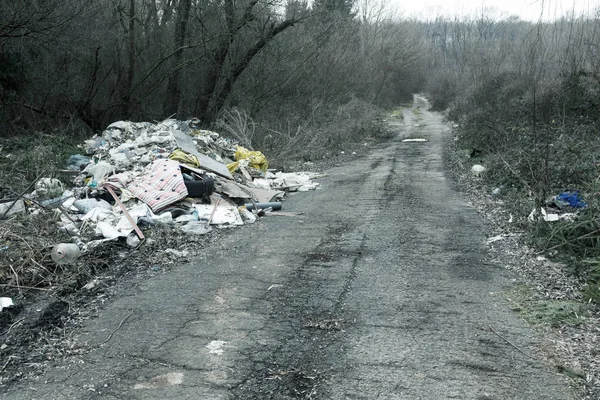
{"type": "Point", "coordinates": [233, 166]}
{"type": "Point", "coordinates": [256, 159]}
{"type": "Point", "coordinates": [184, 158]}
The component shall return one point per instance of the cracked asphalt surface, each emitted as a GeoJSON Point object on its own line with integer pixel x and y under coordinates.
{"type": "Point", "coordinates": [381, 290]}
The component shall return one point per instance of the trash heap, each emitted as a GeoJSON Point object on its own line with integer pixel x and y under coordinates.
{"type": "Point", "coordinates": [565, 206]}
{"type": "Point", "coordinates": [138, 175]}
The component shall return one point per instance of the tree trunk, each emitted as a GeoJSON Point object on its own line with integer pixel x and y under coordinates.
{"type": "Point", "coordinates": [219, 57]}
{"type": "Point", "coordinates": [173, 95]}
{"type": "Point", "coordinates": [131, 61]}
{"type": "Point", "coordinates": [218, 98]}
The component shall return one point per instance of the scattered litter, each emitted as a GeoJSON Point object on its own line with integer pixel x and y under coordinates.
{"type": "Point", "coordinates": [12, 207]}
{"type": "Point", "coordinates": [274, 206]}
{"type": "Point", "coordinates": [552, 216]}
{"type": "Point", "coordinates": [247, 215]}
{"type": "Point", "coordinates": [77, 162]}
{"type": "Point", "coordinates": [286, 214]}
{"type": "Point", "coordinates": [565, 206]}
{"type": "Point", "coordinates": [570, 199]}
{"type": "Point", "coordinates": [296, 181]}
{"type": "Point", "coordinates": [85, 206]}
{"type": "Point", "coordinates": [161, 381]}
{"type": "Point", "coordinates": [65, 253]}
{"type": "Point", "coordinates": [549, 217]}
{"type": "Point", "coordinates": [186, 143]}
{"type": "Point", "coordinates": [477, 170]}
{"type": "Point", "coordinates": [495, 239]}
{"type": "Point", "coordinates": [497, 191]}
{"type": "Point", "coordinates": [133, 240]}
{"type": "Point", "coordinates": [223, 215]}
{"type": "Point", "coordinates": [216, 347]}
{"type": "Point", "coordinates": [570, 217]}
{"type": "Point", "coordinates": [5, 302]}
{"type": "Point", "coordinates": [196, 228]}
{"type": "Point", "coordinates": [91, 285]}
{"type": "Point", "coordinates": [48, 188]}
{"type": "Point", "coordinates": [255, 159]}
{"type": "Point", "coordinates": [415, 140]}
{"type": "Point", "coordinates": [177, 253]}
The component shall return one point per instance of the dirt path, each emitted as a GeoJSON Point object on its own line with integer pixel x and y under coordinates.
{"type": "Point", "coordinates": [382, 290]}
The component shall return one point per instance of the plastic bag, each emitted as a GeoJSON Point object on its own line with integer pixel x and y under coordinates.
{"type": "Point", "coordinates": [256, 159]}
{"type": "Point", "coordinates": [184, 158]}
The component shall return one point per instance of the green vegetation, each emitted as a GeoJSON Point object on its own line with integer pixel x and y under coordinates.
{"type": "Point", "coordinates": [397, 113]}
{"type": "Point", "coordinates": [546, 312]}
{"type": "Point", "coordinates": [25, 157]}
{"type": "Point", "coordinates": [527, 101]}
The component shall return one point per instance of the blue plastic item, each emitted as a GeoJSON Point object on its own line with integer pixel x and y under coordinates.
{"type": "Point", "coordinates": [572, 199]}
{"type": "Point", "coordinates": [77, 162]}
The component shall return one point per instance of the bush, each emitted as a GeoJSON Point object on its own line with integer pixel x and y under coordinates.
{"type": "Point", "coordinates": [541, 143]}
{"type": "Point", "coordinates": [328, 130]}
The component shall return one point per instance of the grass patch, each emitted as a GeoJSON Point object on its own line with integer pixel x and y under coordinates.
{"type": "Point", "coordinates": [24, 157]}
{"type": "Point", "coordinates": [398, 113]}
{"type": "Point", "coordinates": [546, 312]}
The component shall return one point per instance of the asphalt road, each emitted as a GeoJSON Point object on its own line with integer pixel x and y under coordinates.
{"type": "Point", "coordinates": [381, 290]}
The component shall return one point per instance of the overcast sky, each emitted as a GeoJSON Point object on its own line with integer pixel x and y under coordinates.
{"type": "Point", "coordinates": [530, 10]}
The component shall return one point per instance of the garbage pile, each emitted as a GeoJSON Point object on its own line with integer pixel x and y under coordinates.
{"type": "Point", "coordinates": [565, 206]}
{"type": "Point", "coordinates": [138, 175]}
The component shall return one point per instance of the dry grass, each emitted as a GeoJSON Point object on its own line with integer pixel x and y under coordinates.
{"type": "Point", "coordinates": [26, 242]}
{"type": "Point", "coordinates": [25, 157]}
{"type": "Point", "coordinates": [322, 134]}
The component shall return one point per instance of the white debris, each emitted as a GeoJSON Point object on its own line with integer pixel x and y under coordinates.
{"type": "Point", "coordinates": [295, 181]}
{"type": "Point", "coordinates": [216, 347]}
{"type": "Point", "coordinates": [477, 170]}
{"type": "Point", "coordinates": [532, 214]}
{"type": "Point", "coordinates": [5, 302]}
{"type": "Point", "coordinates": [108, 231]}
{"type": "Point", "coordinates": [17, 208]}
{"type": "Point", "coordinates": [196, 228]}
{"type": "Point", "coordinates": [133, 240]}
{"type": "Point", "coordinates": [495, 239]}
{"type": "Point", "coordinates": [568, 217]}
{"type": "Point", "coordinates": [161, 381]}
{"type": "Point", "coordinates": [225, 215]}
{"type": "Point", "coordinates": [99, 170]}
{"type": "Point", "coordinates": [48, 188]}
{"type": "Point", "coordinates": [91, 285]}
{"type": "Point", "coordinates": [549, 217]}
{"type": "Point", "coordinates": [65, 253]}
{"type": "Point", "coordinates": [262, 183]}
{"type": "Point", "coordinates": [247, 215]}
{"type": "Point", "coordinates": [417, 140]}
{"type": "Point", "coordinates": [86, 205]}
{"type": "Point", "coordinates": [177, 253]}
